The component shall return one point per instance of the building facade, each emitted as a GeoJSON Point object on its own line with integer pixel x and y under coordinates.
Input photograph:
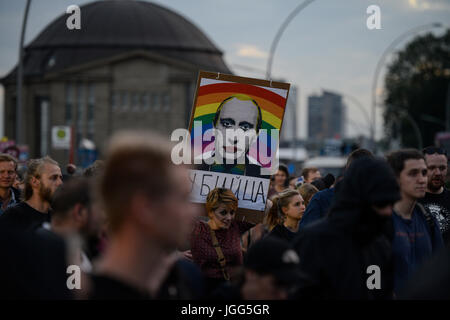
{"type": "Point", "coordinates": [326, 116]}
{"type": "Point", "coordinates": [289, 130]}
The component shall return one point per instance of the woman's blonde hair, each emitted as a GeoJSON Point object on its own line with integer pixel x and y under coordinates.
{"type": "Point", "coordinates": [275, 215]}
{"type": "Point", "coordinates": [307, 191]}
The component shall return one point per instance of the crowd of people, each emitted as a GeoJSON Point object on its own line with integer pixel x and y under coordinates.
{"type": "Point", "coordinates": [378, 231]}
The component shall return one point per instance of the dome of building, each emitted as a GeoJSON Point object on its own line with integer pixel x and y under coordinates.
{"type": "Point", "coordinates": [113, 27]}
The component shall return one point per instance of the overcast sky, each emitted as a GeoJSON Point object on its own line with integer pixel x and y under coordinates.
{"type": "Point", "coordinates": [327, 45]}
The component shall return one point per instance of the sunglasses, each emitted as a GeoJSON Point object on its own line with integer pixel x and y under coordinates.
{"type": "Point", "coordinates": [433, 150]}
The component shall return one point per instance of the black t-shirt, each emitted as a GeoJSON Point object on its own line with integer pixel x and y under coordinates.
{"type": "Point", "coordinates": [32, 267]}
{"type": "Point", "coordinates": [107, 288]}
{"type": "Point", "coordinates": [439, 206]}
{"type": "Point", "coordinates": [24, 218]}
{"type": "Point", "coordinates": [281, 232]}
{"type": "Point", "coordinates": [184, 282]}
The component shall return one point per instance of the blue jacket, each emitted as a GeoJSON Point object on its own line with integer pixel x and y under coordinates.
{"type": "Point", "coordinates": [15, 199]}
{"type": "Point", "coordinates": [412, 245]}
{"type": "Point", "coordinates": [317, 207]}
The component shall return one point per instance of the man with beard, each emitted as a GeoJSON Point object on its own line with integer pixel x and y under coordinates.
{"type": "Point", "coordinates": [353, 237]}
{"type": "Point", "coordinates": [437, 197]}
{"type": "Point", "coordinates": [42, 178]}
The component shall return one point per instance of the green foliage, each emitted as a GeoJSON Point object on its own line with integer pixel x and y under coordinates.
{"type": "Point", "coordinates": [417, 82]}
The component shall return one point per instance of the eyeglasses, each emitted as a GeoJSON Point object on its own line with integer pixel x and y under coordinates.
{"type": "Point", "coordinates": [433, 150]}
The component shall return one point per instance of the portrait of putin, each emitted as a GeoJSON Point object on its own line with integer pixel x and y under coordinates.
{"type": "Point", "coordinates": [236, 123]}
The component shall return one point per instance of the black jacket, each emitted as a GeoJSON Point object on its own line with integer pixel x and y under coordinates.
{"type": "Point", "coordinates": [337, 250]}
{"type": "Point", "coordinates": [17, 194]}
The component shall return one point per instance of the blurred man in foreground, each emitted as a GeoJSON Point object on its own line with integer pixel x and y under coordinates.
{"type": "Point", "coordinates": [146, 200]}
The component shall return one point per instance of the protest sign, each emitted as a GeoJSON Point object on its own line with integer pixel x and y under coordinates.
{"type": "Point", "coordinates": [234, 130]}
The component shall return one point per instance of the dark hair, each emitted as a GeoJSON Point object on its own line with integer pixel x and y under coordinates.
{"type": "Point", "coordinates": [136, 162]}
{"type": "Point", "coordinates": [358, 154]}
{"type": "Point", "coordinates": [324, 183]}
{"type": "Point", "coordinates": [307, 171]}
{"type": "Point", "coordinates": [433, 150]}
{"type": "Point", "coordinates": [95, 169]}
{"type": "Point", "coordinates": [219, 109]}
{"type": "Point", "coordinates": [76, 190]}
{"type": "Point", "coordinates": [283, 168]}
{"type": "Point", "coordinates": [396, 159]}
{"type": "Point", "coordinates": [4, 157]}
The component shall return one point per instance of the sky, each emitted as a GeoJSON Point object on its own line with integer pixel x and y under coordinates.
{"type": "Point", "coordinates": [326, 46]}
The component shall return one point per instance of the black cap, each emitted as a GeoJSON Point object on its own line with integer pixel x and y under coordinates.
{"type": "Point", "coordinates": [329, 180]}
{"type": "Point", "coordinates": [324, 183]}
{"type": "Point", "coordinates": [275, 257]}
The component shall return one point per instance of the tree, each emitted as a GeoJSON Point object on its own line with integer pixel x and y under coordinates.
{"type": "Point", "coordinates": [416, 84]}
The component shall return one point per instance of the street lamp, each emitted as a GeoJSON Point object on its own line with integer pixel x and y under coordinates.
{"type": "Point", "coordinates": [19, 126]}
{"type": "Point", "coordinates": [381, 62]}
{"type": "Point", "coordinates": [356, 126]}
{"type": "Point", "coordinates": [280, 31]}
{"type": "Point", "coordinates": [405, 114]}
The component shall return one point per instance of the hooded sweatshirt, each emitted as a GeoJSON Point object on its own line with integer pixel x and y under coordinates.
{"type": "Point", "coordinates": [348, 254]}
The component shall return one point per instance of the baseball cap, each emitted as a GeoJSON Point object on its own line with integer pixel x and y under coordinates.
{"type": "Point", "coordinates": [324, 183]}
{"type": "Point", "coordinates": [275, 257]}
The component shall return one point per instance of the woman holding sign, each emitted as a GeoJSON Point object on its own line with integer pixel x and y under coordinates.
{"type": "Point", "coordinates": [216, 244]}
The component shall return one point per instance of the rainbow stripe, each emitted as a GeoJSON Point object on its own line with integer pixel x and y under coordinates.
{"type": "Point", "coordinates": [272, 106]}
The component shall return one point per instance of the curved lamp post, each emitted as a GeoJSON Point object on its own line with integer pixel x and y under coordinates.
{"type": "Point", "coordinates": [356, 103]}
{"type": "Point", "coordinates": [405, 114]}
{"type": "Point", "coordinates": [19, 125]}
{"type": "Point", "coordinates": [280, 31]}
